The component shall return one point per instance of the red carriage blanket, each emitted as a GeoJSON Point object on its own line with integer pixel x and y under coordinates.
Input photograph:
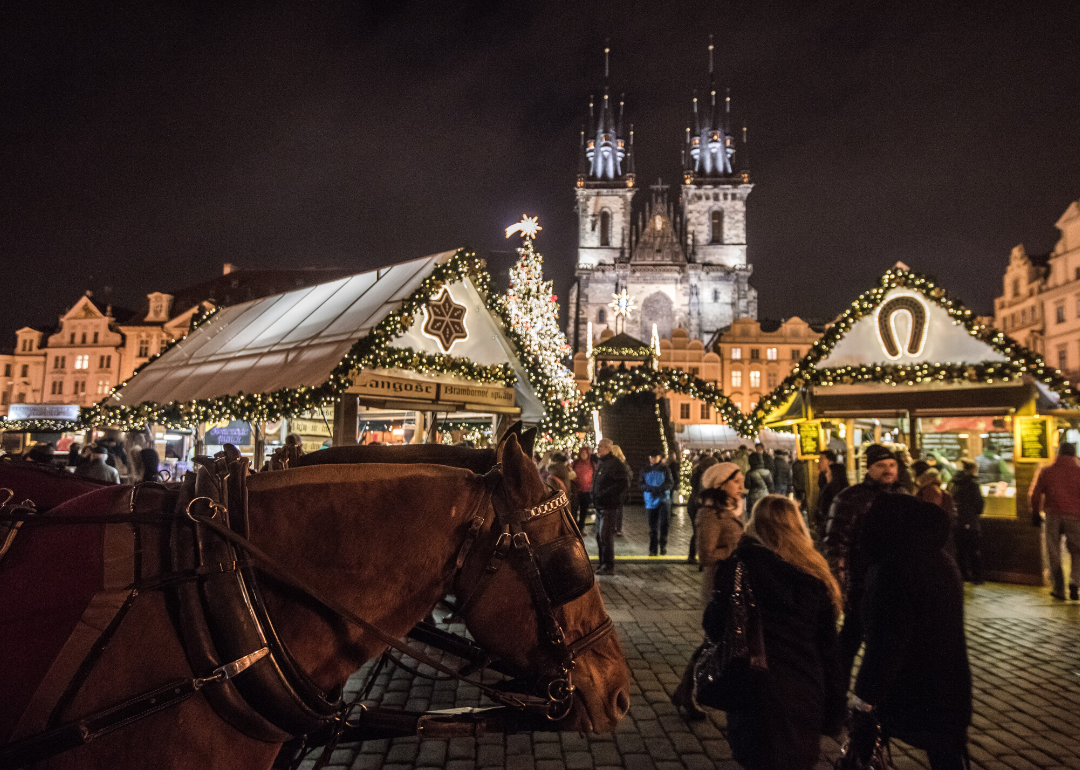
{"type": "Point", "coordinates": [60, 588]}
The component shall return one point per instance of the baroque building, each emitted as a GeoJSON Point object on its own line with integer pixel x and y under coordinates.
{"type": "Point", "coordinates": [677, 261]}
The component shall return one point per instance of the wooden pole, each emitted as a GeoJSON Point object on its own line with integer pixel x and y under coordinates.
{"type": "Point", "coordinates": [345, 415]}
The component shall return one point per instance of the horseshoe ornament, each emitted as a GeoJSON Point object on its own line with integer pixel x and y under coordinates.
{"type": "Point", "coordinates": [887, 335]}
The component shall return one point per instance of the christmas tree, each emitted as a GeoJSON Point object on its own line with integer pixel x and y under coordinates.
{"type": "Point", "coordinates": [531, 311]}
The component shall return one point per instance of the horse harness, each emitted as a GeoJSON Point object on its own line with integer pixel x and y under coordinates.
{"type": "Point", "coordinates": [226, 630]}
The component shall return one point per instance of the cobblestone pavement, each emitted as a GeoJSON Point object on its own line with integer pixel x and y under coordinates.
{"type": "Point", "coordinates": [1025, 657]}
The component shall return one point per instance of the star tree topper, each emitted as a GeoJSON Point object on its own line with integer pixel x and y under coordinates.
{"type": "Point", "coordinates": [622, 303]}
{"type": "Point", "coordinates": [528, 227]}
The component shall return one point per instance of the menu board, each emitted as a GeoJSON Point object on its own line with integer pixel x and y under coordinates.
{"type": "Point", "coordinates": [949, 445]}
{"type": "Point", "coordinates": [237, 432]}
{"type": "Point", "coordinates": [810, 439]}
{"type": "Point", "coordinates": [1033, 439]}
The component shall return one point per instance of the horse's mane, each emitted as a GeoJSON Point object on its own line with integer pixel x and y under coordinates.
{"type": "Point", "coordinates": [475, 460]}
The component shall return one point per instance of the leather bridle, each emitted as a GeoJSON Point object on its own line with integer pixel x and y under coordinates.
{"type": "Point", "coordinates": [555, 685]}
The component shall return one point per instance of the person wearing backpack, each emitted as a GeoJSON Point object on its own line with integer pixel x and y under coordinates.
{"type": "Point", "coordinates": [655, 483]}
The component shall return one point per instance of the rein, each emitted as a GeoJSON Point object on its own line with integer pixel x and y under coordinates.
{"type": "Point", "coordinates": [554, 705]}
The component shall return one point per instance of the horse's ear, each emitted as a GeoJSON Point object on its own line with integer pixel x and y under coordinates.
{"type": "Point", "coordinates": [523, 482]}
{"type": "Point", "coordinates": [528, 441]}
{"type": "Point", "coordinates": [513, 430]}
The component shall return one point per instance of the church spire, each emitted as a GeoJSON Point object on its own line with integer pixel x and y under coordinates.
{"type": "Point", "coordinates": [606, 147]}
{"type": "Point", "coordinates": [711, 144]}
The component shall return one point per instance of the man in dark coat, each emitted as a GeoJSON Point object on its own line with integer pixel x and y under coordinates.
{"type": "Point", "coordinates": [610, 482]}
{"type": "Point", "coordinates": [841, 537]}
{"type": "Point", "coordinates": [968, 499]}
{"type": "Point", "coordinates": [656, 484]}
{"type": "Point", "coordinates": [781, 473]}
{"type": "Point", "coordinates": [915, 676]}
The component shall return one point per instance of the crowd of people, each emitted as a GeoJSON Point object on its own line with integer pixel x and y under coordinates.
{"type": "Point", "coordinates": [881, 569]}
{"type": "Point", "coordinates": [111, 459]}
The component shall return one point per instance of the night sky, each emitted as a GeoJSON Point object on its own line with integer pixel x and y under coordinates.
{"type": "Point", "coordinates": [143, 144]}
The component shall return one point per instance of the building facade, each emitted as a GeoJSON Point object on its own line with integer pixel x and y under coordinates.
{"type": "Point", "coordinates": [676, 261]}
{"type": "Point", "coordinates": [754, 360]}
{"type": "Point", "coordinates": [1040, 302]}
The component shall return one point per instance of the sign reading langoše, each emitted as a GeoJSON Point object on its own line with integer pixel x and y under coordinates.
{"type": "Point", "coordinates": [400, 388]}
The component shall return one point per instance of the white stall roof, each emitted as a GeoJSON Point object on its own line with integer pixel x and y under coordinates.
{"type": "Point", "coordinates": [725, 437]}
{"type": "Point", "coordinates": [288, 340]}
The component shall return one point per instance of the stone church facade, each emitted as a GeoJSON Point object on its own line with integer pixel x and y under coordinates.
{"type": "Point", "coordinates": [680, 257]}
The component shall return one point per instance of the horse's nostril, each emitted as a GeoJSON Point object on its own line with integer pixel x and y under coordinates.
{"type": "Point", "coordinates": [622, 703]}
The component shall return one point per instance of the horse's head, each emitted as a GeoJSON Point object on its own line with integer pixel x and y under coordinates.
{"type": "Point", "coordinates": [531, 599]}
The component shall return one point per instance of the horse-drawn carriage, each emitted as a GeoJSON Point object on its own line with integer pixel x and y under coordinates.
{"type": "Point", "coordinates": [209, 622]}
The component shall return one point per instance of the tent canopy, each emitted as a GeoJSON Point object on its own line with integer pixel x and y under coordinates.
{"type": "Point", "coordinates": [296, 339]}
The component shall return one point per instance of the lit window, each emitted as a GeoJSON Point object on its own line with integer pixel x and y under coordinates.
{"type": "Point", "coordinates": [736, 354]}
{"type": "Point", "coordinates": [736, 379]}
{"type": "Point", "coordinates": [770, 353]}
{"type": "Point", "coordinates": [684, 411]}
{"type": "Point", "coordinates": [103, 387]}
{"type": "Point", "coordinates": [755, 379]}
{"type": "Point", "coordinates": [82, 362]}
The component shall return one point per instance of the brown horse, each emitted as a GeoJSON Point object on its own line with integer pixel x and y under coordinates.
{"type": "Point", "coordinates": [46, 485]}
{"type": "Point", "coordinates": [381, 540]}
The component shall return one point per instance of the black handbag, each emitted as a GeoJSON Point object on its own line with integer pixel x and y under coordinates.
{"type": "Point", "coordinates": [729, 672]}
{"type": "Point", "coordinates": [870, 729]}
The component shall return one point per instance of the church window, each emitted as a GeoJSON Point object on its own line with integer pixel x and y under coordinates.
{"type": "Point", "coordinates": [770, 379]}
{"type": "Point", "coordinates": [684, 411]}
{"type": "Point", "coordinates": [716, 227]}
{"type": "Point", "coordinates": [605, 228]}
{"type": "Point", "coordinates": [601, 316]}
{"type": "Point", "coordinates": [770, 354]}
{"type": "Point", "coordinates": [715, 295]}
{"type": "Point", "coordinates": [736, 379]}
{"type": "Point", "coordinates": [705, 411]}
{"type": "Point", "coordinates": [755, 378]}
{"type": "Point", "coordinates": [755, 354]}
{"type": "Point", "coordinates": [736, 354]}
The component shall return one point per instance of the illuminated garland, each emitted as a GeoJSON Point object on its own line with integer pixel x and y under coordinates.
{"type": "Point", "coordinates": [613, 384]}
{"type": "Point", "coordinates": [686, 470]}
{"type": "Point", "coordinates": [42, 426]}
{"type": "Point", "coordinates": [1021, 359]}
{"type": "Point", "coordinates": [369, 352]}
{"type": "Point", "coordinates": [599, 351]}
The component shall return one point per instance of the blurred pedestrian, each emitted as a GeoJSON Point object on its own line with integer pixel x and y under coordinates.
{"type": "Point", "coordinates": [41, 452]}
{"type": "Point", "coordinates": [144, 456]}
{"type": "Point", "coordinates": [968, 498]}
{"type": "Point", "coordinates": [610, 482]}
{"type": "Point", "coordinates": [656, 483]}
{"type": "Point", "coordinates": [836, 480]}
{"type": "Point", "coordinates": [97, 467]}
{"type": "Point", "coordinates": [846, 516]}
{"type": "Point", "coordinates": [720, 528]}
{"type": "Point", "coordinates": [705, 462]}
{"type": "Point", "coordinates": [583, 470]}
{"type": "Point", "coordinates": [800, 697]}
{"type": "Point", "coordinates": [781, 473]}
{"type": "Point", "coordinates": [617, 451]}
{"type": "Point", "coordinates": [1057, 490]}
{"type": "Point", "coordinates": [759, 482]}
{"type": "Point", "coordinates": [914, 682]}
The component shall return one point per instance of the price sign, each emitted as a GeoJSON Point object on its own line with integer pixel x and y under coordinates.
{"type": "Point", "coordinates": [1032, 439]}
{"type": "Point", "coordinates": [811, 439]}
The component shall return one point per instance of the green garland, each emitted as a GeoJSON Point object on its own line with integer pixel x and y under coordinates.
{"type": "Point", "coordinates": [635, 352]}
{"type": "Point", "coordinates": [42, 426]}
{"type": "Point", "coordinates": [369, 352]}
{"type": "Point", "coordinates": [611, 386]}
